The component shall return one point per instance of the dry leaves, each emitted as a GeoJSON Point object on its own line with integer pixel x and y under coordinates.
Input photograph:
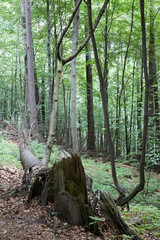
{"type": "Point", "coordinates": [20, 220]}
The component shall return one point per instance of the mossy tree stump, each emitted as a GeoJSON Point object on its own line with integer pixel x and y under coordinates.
{"type": "Point", "coordinates": [65, 186]}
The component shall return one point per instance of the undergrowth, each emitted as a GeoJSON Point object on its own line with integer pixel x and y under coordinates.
{"type": "Point", "coordinates": [146, 204]}
{"type": "Point", "coordinates": [9, 153]}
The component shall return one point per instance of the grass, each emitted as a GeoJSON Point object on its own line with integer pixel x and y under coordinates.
{"type": "Point", "coordinates": [128, 176]}
{"type": "Point", "coordinates": [38, 150]}
{"type": "Point", "coordinates": [146, 204]}
{"type": "Point", "coordinates": [9, 153]}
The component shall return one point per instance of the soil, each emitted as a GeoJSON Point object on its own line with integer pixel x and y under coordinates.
{"type": "Point", "coordinates": [22, 220]}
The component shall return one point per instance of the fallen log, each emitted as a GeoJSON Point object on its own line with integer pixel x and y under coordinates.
{"type": "Point", "coordinates": [28, 162]}
{"type": "Point", "coordinates": [28, 159]}
{"type": "Point", "coordinates": [111, 213]}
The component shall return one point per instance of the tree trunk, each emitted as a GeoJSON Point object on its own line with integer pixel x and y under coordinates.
{"type": "Point", "coordinates": [28, 159]}
{"type": "Point", "coordinates": [31, 81]}
{"type": "Point", "coordinates": [123, 84]}
{"type": "Point", "coordinates": [120, 188]}
{"type": "Point", "coordinates": [139, 109]}
{"type": "Point", "coordinates": [154, 121]}
{"type": "Point", "coordinates": [75, 147]}
{"type": "Point", "coordinates": [53, 120]}
{"type": "Point", "coordinates": [23, 20]}
{"type": "Point", "coordinates": [49, 53]}
{"type": "Point", "coordinates": [90, 114]}
{"type": "Point", "coordinates": [105, 76]}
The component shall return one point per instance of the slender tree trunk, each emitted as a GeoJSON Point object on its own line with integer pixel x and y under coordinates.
{"type": "Point", "coordinates": [141, 184]}
{"type": "Point", "coordinates": [90, 114]}
{"type": "Point", "coordinates": [123, 85]}
{"type": "Point", "coordinates": [49, 52]}
{"type": "Point", "coordinates": [117, 135]}
{"type": "Point", "coordinates": [65, 122]}
{"type": "Point", "coordinates": [23, 20]}
{"type": "Point", "coordinates": [53, 117]}
{"type": "Point", "coordinates": [103, 94]}
{"type": "Point", "coordinates": [106, 78]}
{"type": "Point", "coordinates": [75, 148]}
{"type": "Point", "coordinates": [15, 90]}
{"type": "Point", "coordinates": [153, 96]}
{"type": "Point", "coordinates": [132, 108]}
{"type": "Point", "coordinates": [43, 110]}
{"type": "Point", "coordinates": [139, 109]}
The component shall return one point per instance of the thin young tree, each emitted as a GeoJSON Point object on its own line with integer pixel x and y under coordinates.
{"type": "Point", "coordinates": [90, 113]}
{"type": "Point", "coordinates": [75, 147]}
{"type": "Point", "coordinates": [123, 199]}
{"type": "Point", "coordinates": [63, 61]}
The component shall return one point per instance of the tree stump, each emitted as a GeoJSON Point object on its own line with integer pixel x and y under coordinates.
{"type": "Point", "coordinates": [65, 186]}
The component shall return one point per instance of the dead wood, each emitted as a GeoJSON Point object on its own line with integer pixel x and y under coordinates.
{"type": "Point", "coordinates": [19, 191]}
{"type": "Point", "coordinates": [28, 159]}
{"type": "Point", "coordinates": [110, 211]}
{"type": "Point", "coordinates": [65, 185]}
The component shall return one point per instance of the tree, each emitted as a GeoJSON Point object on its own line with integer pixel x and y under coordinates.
{"type": "Point", "coordinates": [90, 114]}
{"type": "Point", "coordinates": [122, 199]}
{"type": "Point", "coordinates": [30, 90]}
{"type": "Point", "coordinates": [62, 62]}
{"type": "Point", "coordinates": [75, 148]}
{"type": "Point", "coordinates": [103, 94]}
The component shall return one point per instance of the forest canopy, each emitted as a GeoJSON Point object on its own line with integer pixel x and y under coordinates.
{"type": "Point", "coordinates": [119, 43]}
{"type": "Point", "coordinates": [81, 76]}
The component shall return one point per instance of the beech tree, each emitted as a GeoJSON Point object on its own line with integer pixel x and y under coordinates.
{"type": "Point", "coordinates": [30, 73]}
{"type": "Point", "coordinates": [75, 148]}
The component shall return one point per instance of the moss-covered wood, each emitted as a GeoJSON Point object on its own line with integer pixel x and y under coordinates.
{"type": "Point", "coordinates": [67, 189]}
{"type": "Point", "coordinates": [65, 185]}
{"type": "Point", "coordinates": [67, 175]}
{"type": "Point", "coordinates": [110, 211]}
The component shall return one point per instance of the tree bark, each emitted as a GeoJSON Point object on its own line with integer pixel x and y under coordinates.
{"type": "Point", "coordinates": [141, 184]}
{"type": "Point", "coordinates": [103, 94]}
{"type": "Point", "coordinates": [90, 113]}
{"type": "Point", "coordinates": [31, 80]}
{"type": "Point", "coordinates": [49, 52]}
{"type": "Point", "coordinates": [53, 120]}
{"type": "Point", "coordinates": [75, 147]}
{"type": "Point", "coordinates": [28, 159]}
{"type": "Point", "coordinates": [65, 185]}
{"type": "Point", "coordinates": [110, 211]}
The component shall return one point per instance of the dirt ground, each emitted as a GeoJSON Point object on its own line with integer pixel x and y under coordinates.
{"type": "Point", "coordinates": [22, 220]}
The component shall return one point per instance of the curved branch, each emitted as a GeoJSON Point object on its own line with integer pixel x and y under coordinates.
{"type": "Point", "coordinates": [141, 184]}
{"type": "Point", "coordinates": [66, 60]}
{"type": "Point", "coordinates": [119, 187]}
{"type": "Point", "coordinates": [66, 29]}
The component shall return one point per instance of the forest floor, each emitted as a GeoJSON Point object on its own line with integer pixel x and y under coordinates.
{"type": "Point", "coordinates": [22, 220]}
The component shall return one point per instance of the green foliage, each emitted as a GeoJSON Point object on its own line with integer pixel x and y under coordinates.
{"type": "Point", "coordinates": [9, 153]}
{"type": "Point", "coordinates": [38, 150]}
{"type": "Point", "coordinates": [128, 176]}
{"type": "Point", "coordinates": [149, 215]}
{"type": "Point", "coordinates": [96, 219]}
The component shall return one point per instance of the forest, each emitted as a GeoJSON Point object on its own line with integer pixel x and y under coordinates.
{"type": "Point", "coordinates": [79, 100]}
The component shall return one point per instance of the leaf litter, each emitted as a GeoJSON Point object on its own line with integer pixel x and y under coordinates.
{"type": "Point", "coordinates": [22, 220]}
